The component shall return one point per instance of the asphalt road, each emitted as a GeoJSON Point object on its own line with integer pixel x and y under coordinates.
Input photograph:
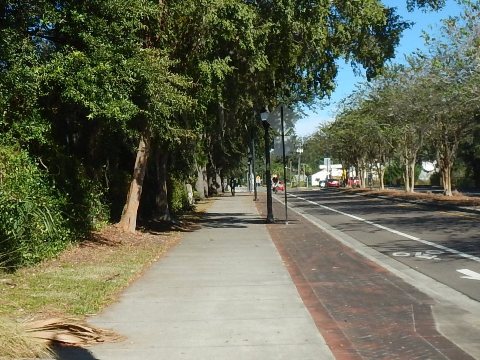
{"type": "Point", "coordinates": [442, 244]}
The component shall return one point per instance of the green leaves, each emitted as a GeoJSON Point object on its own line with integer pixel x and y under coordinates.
{"type": "Point", "coordinates": [32, 226]}
{"type": "Point", "coordinates": [81, 80]}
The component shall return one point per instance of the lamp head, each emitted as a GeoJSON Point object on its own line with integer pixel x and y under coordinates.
{"type": "Point", "coordinates": [264, 115]}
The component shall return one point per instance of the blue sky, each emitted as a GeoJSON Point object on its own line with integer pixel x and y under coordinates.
{"type": "Point", "coordinates": [410, 41]}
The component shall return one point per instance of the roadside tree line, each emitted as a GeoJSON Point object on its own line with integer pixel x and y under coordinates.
{"type": "Point", "coordinates": [425, 110]}
{"type": "Point", "coordinates": [109, 107]}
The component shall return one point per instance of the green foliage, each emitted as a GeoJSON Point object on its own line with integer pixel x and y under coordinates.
{"type": "Point", "coordinates": [178, 196]}
{"type": "Point", "coordinates": [432, 4]}
{"type": "Point", "coordinates": [32, 223]}
{"type": "Point", "coordinates": [394, 174]}
{"type": "Point", "coordinates": [85, 205]}
{"type": "Point", "coordinates": [81, 80]}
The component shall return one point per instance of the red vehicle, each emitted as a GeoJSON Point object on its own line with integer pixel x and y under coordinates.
{"type": "Point", "coordinates": [279, 187]}
{"type": "Point", "coordinates": [332, 183]}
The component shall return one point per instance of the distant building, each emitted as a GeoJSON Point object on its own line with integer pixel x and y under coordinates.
{"type": "Point", "coordinates": [334, 171]}
{"type": "Point", "coordinates": [428, 169]}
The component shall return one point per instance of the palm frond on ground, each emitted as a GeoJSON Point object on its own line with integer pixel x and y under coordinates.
{"type": "Point", "coordinates": [32, 339]}
{"type": "Point", "coordinates": [68, 332]}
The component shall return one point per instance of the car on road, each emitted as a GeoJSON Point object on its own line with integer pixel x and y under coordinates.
{"type": "Point", "coordinates": [332, 183]}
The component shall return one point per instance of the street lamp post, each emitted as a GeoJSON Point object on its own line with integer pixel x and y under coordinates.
{"type": "Point", "coordinates": [253, 169]}
{"type": "Point", "coordinates": [249, 175]}
{"type": "Point", "coordinates": [305, 174]}
{"type": "Point", "coordinates": [299, 151]}
{"type": "Point", "coordinates": [284, 163]}
{"type": "Point", "coordinates": [266, 127]}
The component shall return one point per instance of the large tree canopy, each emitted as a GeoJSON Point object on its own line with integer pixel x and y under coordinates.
{"type": "Point", "coordinates": [148, 95]}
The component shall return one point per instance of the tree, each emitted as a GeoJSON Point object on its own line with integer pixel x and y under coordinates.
{"type": "Point", "coordinates": [452, 72]}
{"type": "Point", "coordinates": [91, 87]}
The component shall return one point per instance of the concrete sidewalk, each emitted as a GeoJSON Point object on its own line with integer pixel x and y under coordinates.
{"type": "Point", "coordinates": [222, 293]}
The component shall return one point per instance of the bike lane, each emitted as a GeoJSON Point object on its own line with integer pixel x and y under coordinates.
{"type": "Point", "coordinates": [362, 310]}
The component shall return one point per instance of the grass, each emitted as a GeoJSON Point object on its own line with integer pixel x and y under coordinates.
{"type": "Point", "coordinates": [79, 283]}
{"type": "Point", "coordinates": [16, 344]}
{"type": "Point", "coordinates": [83, 279]}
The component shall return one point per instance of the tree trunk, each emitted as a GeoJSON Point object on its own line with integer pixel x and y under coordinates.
{"type": "Point", "coordinates": [128, 221]}
{"type": "Point", "coordinates": [214, 180]}
{"type": "Point", "coordinates": [222, 182]}
{"type": "Point", "coordinates": [361, 173]}
{"type": "Point", "coordinates": [200, 183]}
{"type": "Point", "coordinates": [188, 188]}
{"type": "Point", "coordinates": [381, 173]}
{"type": "Point", "coordinates": [447, 181]}
{"type": "Point", "coordinates": [412, 175]}
{"type": "Point", "coordinates": [406, 175]}
{"type": "Point", "coordinates": [163, 210]}
{"type": "Point", "coordinates": [363, 177]}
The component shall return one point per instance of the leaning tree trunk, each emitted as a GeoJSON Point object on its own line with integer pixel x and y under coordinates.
{"type": "Point", "coordinates": [161, 200]}
{"type": "Point", "coordinates": [128, 221]}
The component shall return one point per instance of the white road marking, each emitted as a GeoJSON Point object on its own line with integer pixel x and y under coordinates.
{"type": "Point", "coordinates": [424, 254]}
{"type": "Point", "coordinates": [393, 231]}
{"type": "Point", "coordinates": [419, 254]}
{"type": "Point", "coordinates": [469, 274]}
{"type": "Point", "coordinates": [401, 254]}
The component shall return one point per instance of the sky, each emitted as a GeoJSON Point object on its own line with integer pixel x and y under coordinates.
{"type": "Point", "coordinates": [411, 40]}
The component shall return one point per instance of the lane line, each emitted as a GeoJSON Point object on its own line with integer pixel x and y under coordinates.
{"type": "Point", "coordinates": [393, 231]}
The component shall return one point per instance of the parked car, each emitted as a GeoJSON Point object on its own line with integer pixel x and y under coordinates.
{"type": "Point", "coordinates": [333, 183]}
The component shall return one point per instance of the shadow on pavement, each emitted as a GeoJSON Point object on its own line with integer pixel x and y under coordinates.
{"type": "Point", "coordinates": [72, 353]}
{"type": "Point", "coordinates": [232, 220]}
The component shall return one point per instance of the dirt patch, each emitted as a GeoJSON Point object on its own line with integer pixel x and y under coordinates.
{"type": "Point", "coordinates": [111, 238]}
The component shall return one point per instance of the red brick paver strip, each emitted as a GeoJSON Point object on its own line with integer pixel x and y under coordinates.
{"type": "Point", "coordinates": [362, 310]}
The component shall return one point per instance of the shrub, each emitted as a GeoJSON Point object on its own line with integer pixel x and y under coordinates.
{"type": "Point", "coordinates": [86, 208]}
{"type": "Point", "coordinates": [178, 196]}
{"type": "Point", "coordinates": [32, 223]}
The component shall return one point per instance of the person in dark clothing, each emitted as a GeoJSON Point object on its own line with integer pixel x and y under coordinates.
{"type": "Point", "coordinates": [233, 185]}
{"type": "Point", "coordinates": [274, 184]}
